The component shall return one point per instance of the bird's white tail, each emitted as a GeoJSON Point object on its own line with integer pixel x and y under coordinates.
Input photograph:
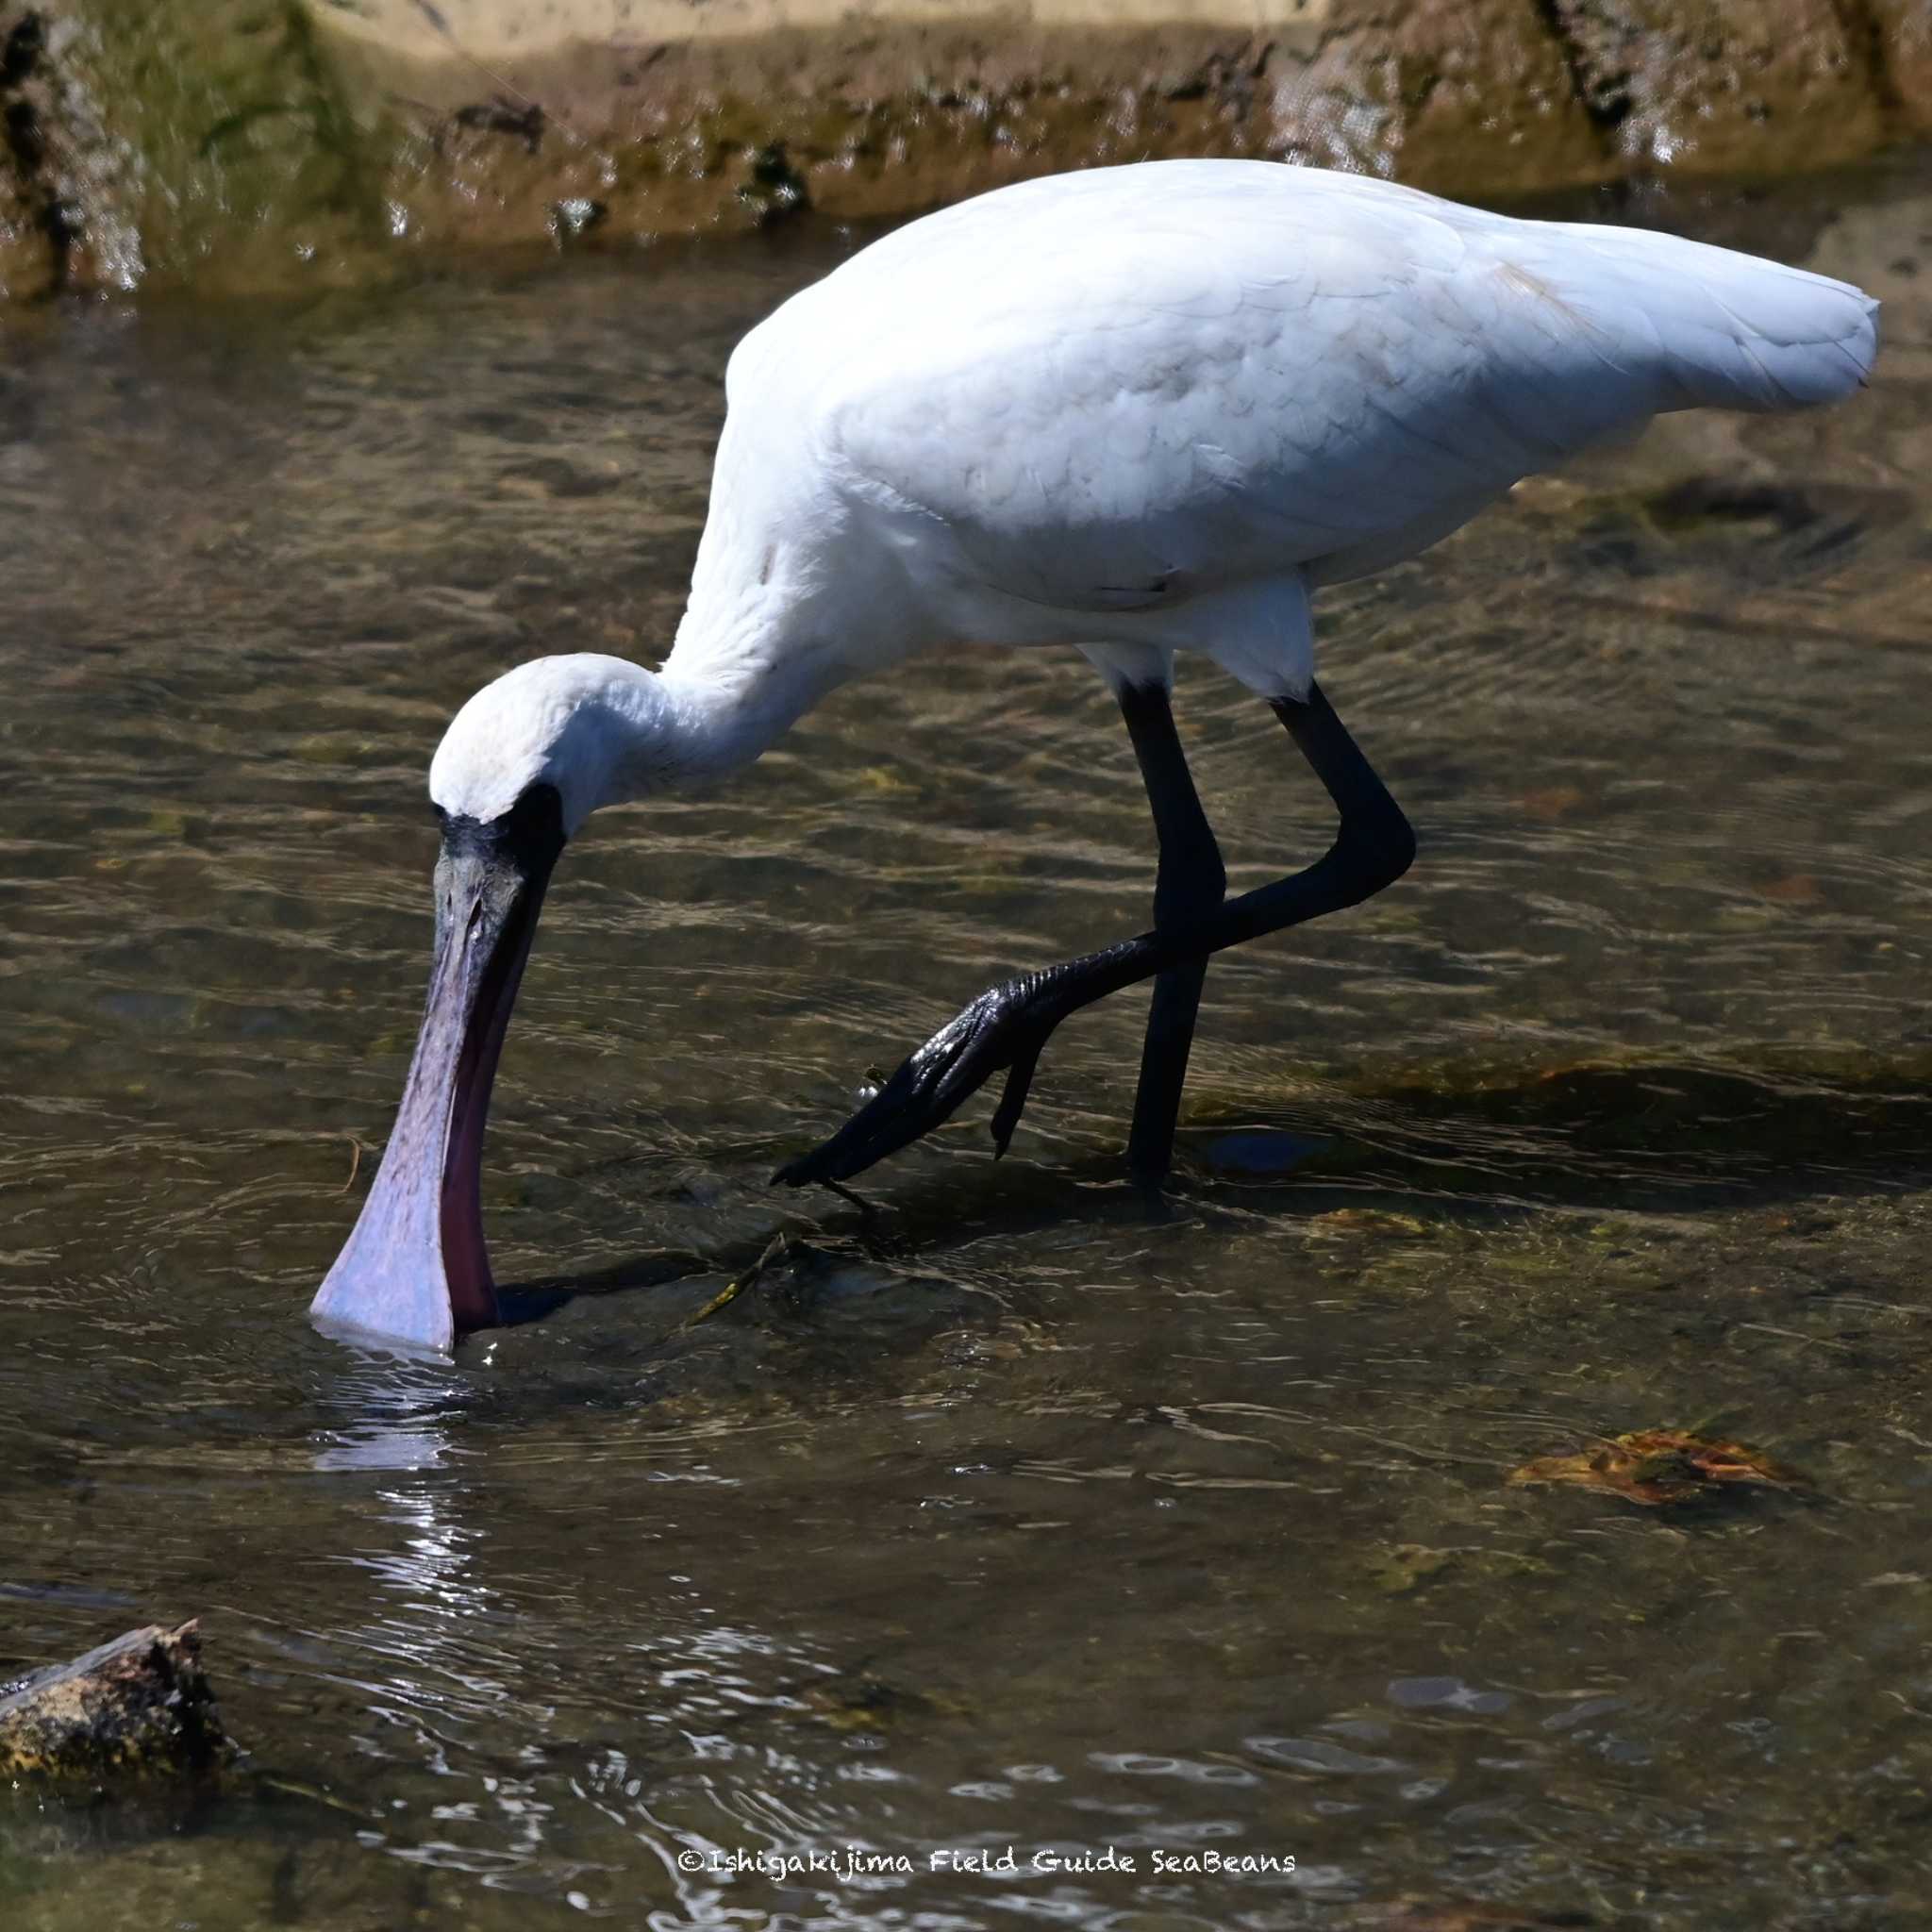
{"type": "Point", "coordinates": [1728, 330]}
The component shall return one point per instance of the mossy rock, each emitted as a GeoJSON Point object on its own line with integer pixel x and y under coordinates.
{"type": "Point", "coordinates": [139, 1705]}
{"type": "Point", "coordinates": [210, 142]}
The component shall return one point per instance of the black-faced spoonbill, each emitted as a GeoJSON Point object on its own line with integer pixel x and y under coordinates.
{"type": "Point", "coordinates": [1139, 410]}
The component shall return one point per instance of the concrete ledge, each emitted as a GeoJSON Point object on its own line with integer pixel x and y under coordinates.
{"type": "Point", "coordinates": [232, 145]}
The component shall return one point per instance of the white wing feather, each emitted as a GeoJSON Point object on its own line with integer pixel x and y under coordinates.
{"type": "Point", "coordinates": [1119, 395]}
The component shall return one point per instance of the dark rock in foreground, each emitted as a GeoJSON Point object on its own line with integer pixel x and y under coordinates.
{"type": "Point", "coordinates": [140, 1705]}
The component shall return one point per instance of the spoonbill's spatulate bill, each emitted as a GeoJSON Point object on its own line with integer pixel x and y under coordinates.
{"type": "Point", "coordinates": [1139, 410]}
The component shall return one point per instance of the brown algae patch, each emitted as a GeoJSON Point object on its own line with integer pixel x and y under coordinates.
{"type": "Point", "coordinates": [1660, 1467]}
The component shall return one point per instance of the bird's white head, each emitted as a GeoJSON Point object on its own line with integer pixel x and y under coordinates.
{"type": "Point", "coordinates": [593, 729]}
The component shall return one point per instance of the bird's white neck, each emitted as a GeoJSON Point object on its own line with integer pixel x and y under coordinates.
{"type": "Point", "coordinates": [753, 652]}
{"type": "Point", "coordinates": [690, 725]}
{"type": "Point", "coordinates": [603, 730]}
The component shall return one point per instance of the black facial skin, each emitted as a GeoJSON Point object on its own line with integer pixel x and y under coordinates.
{"type": "Point", "coordinates": [496, 870]}
{"type": "Point", "coordinates": [525, 841]}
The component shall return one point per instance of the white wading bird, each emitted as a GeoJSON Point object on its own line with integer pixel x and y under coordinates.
{"type": "Point", "coordinates": [1139, 411]}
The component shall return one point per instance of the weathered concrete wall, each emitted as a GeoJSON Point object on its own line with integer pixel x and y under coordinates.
{"type": "Point", "coordinates": [236, 142]}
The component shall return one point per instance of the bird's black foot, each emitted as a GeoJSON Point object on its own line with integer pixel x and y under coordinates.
{"type": "Point", "coordinates": [1005, 1026]}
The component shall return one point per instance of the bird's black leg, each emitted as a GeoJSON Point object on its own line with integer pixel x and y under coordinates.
{"type": "Point", "coordinates": [1007, 1025]}
{"type": "Point", "coordinates": [1187, 888]}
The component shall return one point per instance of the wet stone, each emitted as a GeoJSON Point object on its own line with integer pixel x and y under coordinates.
{"type": "Point", "coordinates": [138, 1707]}
{"type": "Point", "coordinates": [1712, 85]}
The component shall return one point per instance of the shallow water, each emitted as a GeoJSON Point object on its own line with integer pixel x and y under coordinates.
{"type": "Point", "coordinates": [1021, 1515]}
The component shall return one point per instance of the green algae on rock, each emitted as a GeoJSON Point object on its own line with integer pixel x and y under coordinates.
{"type": "Point", "coordinates": [212, 144]}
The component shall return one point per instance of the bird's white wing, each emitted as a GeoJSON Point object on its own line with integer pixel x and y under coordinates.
{"type": "Point", "coordinates": [1122, 390]}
